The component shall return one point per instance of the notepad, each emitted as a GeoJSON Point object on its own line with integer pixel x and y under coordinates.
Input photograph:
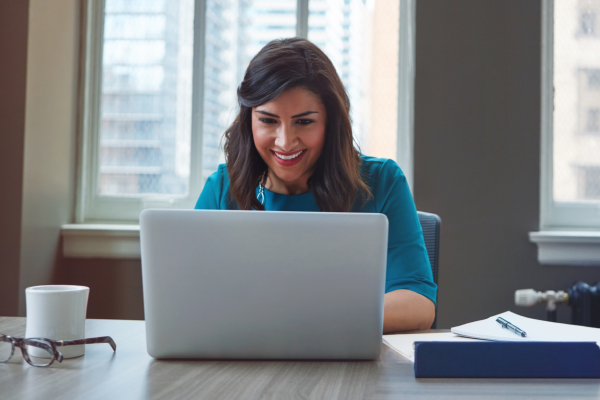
{"type": "Point", "coordinates": [537, 330]}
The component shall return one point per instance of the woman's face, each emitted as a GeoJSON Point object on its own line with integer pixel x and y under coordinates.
{"type": "Point", "coordinates": [289, 133]}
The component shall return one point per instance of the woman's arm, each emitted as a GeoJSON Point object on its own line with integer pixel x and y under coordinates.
{"type": "Point", "coordinates": [405, 310]}
{"type": "Point", "coordinates": [411, 291]}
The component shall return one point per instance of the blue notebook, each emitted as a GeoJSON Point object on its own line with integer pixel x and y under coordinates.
{"type": "Point", "coordinates": [487, 359]}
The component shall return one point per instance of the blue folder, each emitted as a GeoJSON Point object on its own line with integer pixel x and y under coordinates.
{"type": "Point", "coordinates": [487, 359]}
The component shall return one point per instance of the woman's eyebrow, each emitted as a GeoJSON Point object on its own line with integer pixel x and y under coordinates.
{"type": "Point", "coordinates": [267, 113]}
{"type": "Point", "coordinates": [293, 116]}
{"type": "Point", "coordinates": [304, 114]}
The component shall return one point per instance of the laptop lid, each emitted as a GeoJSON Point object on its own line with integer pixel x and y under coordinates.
{"type": "Point", "coordinates": [263, 285]}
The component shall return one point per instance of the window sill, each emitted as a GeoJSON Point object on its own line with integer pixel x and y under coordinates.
{"type": "Point", "coordinates": [101, 241]}
{"type": "Point", "coordinates": [573, 248]}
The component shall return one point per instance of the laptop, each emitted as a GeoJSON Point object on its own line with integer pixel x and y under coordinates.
{"type": "Point", "coordinates": [263, 285]}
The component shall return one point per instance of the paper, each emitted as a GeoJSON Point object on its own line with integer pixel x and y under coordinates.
{"type": "Point", "coordinates": [537, 330]}
{"type": "Point", "coordinates": [404, 343]}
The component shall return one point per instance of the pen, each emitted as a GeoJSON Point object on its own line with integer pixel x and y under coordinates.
{"type": "Point", "coordinates": [511, 327]}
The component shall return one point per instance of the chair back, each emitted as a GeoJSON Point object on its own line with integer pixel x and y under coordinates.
{"type": "Point", "coordinates": [430, 223]}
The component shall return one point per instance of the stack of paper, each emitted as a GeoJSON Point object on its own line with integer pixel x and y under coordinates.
{"type": "Point", "coordinates": [538, 331]}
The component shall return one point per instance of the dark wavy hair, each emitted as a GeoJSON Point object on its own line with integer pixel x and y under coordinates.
{"type": "Point", "coordinates": [281, 65]}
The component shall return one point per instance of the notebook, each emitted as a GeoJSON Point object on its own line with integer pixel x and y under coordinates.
{"type": "Point", "coordinates": [263, 285]}
{"type": "Point", "coordinates": [537, 330]}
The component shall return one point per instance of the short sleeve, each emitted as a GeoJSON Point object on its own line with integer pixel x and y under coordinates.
{"type": "Point", "coordinates": [408, 264]}
{"type": "Point", "coordinates": [210, 198]}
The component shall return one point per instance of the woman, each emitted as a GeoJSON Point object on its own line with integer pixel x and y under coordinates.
{"type": "Point", "coordinates": [290, 148]}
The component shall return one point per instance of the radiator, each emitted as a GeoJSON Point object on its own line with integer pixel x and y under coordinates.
{"type": "Point", "coordinates": [583, 299]}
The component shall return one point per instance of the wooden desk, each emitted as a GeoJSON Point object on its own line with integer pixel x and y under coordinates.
{"type": "Point", "coordinates": [131, 374]}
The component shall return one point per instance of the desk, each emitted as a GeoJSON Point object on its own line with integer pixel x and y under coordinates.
{"type": "Point", "coordinates": [131, 374]}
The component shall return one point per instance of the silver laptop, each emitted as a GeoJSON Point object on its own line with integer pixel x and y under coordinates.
{"type": "Point", "coordinates": [263, 285]}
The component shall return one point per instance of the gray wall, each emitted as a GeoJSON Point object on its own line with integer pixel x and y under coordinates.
{"type": "Point", "coordinates": [477, 153]}
{"type": "Point", "coordinates": [115, 285]}
{"type": "Point", "coordinates": [13, 67]}
{"type": "Point", "coordinates": [50, 132]}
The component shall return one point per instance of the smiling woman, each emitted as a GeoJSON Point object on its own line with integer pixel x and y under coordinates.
{"type": "Point", "coordinates": [292, 99]}
{"type": "Point", "coordinates": [291, 148]}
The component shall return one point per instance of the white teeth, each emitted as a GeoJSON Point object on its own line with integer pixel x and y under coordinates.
{"type": "Point", "coordinates": [288, 157]}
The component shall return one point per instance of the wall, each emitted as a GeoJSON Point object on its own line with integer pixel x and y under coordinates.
{"type": "Point", "coordinates": [13, 67]}
{"type": "Point", "coordinates": [115, 285]}
{"type": "Point", "coordinates": [477, 153]}
{"type": "Point", "coordinates": [49, 156]}
{"type": "Point", "coordinates": [46, 164]}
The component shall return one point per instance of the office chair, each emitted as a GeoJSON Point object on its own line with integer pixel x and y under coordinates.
{"type": "Point", "coordinates": [430, 223]}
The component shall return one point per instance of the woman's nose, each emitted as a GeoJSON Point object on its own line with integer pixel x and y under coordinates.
{"type": "Point", "coordinates": [286, 137]}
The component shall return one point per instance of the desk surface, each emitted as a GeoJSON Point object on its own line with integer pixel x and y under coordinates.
{"type": "Point", "coordinates": [131, 373]}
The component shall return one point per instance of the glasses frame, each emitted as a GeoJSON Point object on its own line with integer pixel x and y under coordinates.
{"type": "Point", "coordinates": [50, 345]}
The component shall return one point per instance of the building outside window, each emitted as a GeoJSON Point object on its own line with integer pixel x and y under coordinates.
{"type": "Point", "coordinates": [145, 105]}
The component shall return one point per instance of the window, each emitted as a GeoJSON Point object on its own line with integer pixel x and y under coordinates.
{"type": "Point", "coordinates": [145, 103]}
{"type": "Point", "coordinates": [570, 171]}
{"type": "Point", "coordinates": [572, 116]}
{"type": "Point", "coordinates": [160, 78]}
{"type": "Point", "coordinates": [137, 149]}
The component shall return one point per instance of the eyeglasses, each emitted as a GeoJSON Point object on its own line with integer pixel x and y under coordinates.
{"type": "Point", "coordinates": [41, 352]}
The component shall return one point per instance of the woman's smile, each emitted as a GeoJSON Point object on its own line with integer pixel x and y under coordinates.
{"type": "Point", "coordinates": [288, 159]}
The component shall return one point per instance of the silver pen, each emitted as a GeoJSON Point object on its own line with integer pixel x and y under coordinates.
{"type": "Point", "coordinates": [511, 327]}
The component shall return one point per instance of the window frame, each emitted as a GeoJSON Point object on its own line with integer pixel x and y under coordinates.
{"type": "Point", "coordinates": [569, 234]}
{"type": "Point", "coordinates": [94, 209]}
{"type": "Point", "coordinates": [556, 216]}
{"type": "Point", "coordinates": [406, 89]}
{"type": "Point", "coordinates": [91, 207]}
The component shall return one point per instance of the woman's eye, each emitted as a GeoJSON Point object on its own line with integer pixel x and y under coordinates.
{"type": "Point", "coordinates": [305, 121]}
{"type": "Point", "coordinates": [268, 120]}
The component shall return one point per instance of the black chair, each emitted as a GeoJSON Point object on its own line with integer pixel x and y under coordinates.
{"type": "Point", "coordinates": [431, 232]}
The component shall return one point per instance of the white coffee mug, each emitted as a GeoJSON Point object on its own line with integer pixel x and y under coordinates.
{"type": "Point", "coordinates": [57, 312]}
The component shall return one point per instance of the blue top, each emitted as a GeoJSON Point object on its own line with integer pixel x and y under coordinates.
{"type": "Point", "coordinates": [407, 261]}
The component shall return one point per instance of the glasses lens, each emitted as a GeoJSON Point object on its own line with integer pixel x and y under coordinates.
{"type": "Point", "coordinates": [6, 349]}
{"type": "Point", "coordinates": [39, 352]}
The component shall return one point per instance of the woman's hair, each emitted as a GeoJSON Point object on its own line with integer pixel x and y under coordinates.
{"type": "Point", "coordinates": [281, 65]}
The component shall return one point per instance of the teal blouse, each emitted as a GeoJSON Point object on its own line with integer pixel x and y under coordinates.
{"type": "Point", "coordinates": [407, 261]}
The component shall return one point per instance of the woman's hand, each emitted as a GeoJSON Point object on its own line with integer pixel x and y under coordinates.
{"type": "Point", "coordinates": [405, 310]}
